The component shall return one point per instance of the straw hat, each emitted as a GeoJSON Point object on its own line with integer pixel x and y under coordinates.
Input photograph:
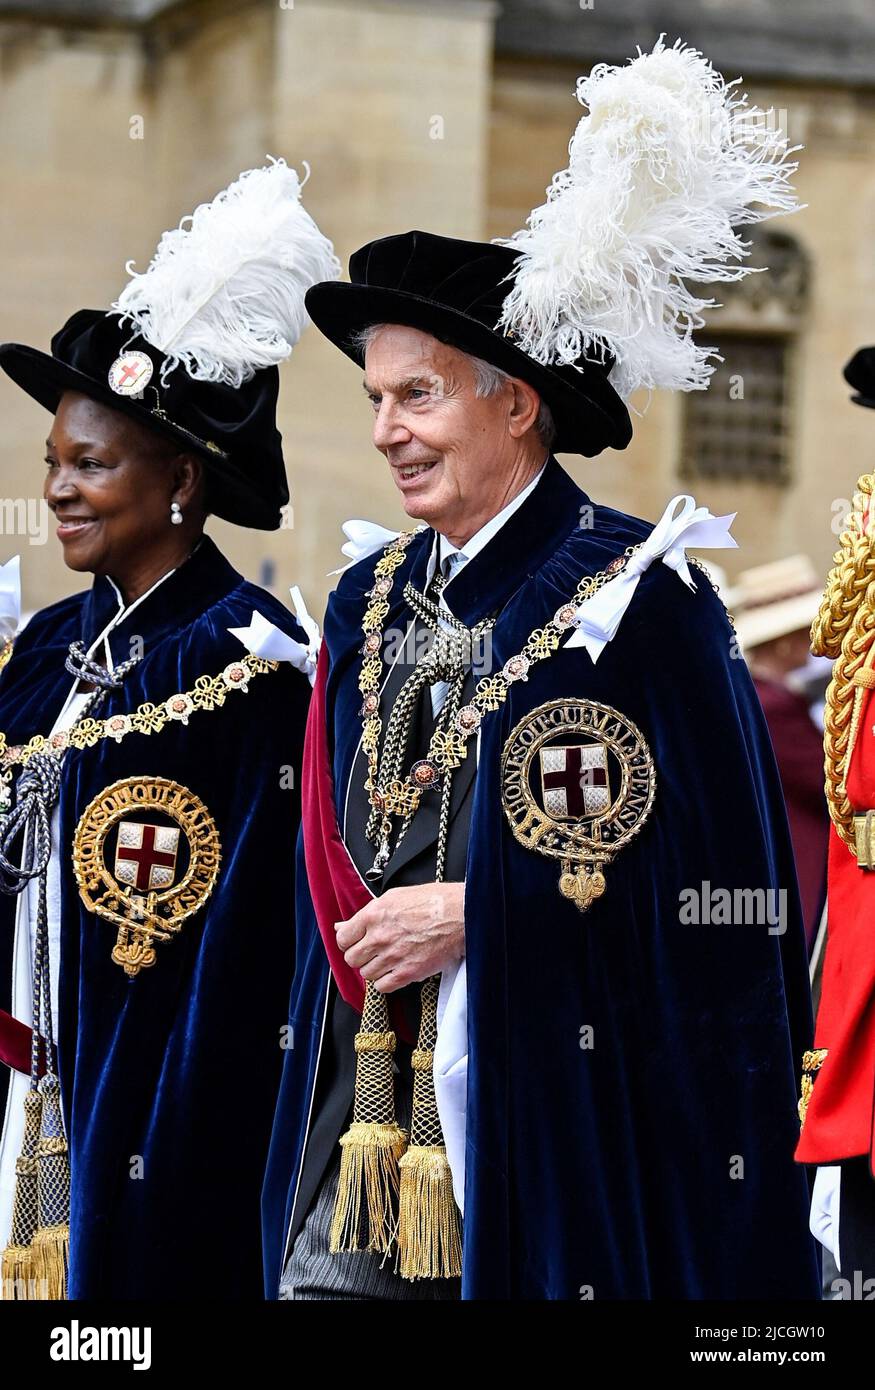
{"type": "Point", "coordinates": [769, 601]}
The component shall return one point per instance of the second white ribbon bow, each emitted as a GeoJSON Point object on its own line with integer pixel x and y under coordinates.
{"type": "Point", "coordinates": [598, 617]}
{"type": "Point", "coordinates": [263, 638]}
{"type": "Point", "coordinates": [363, 538]}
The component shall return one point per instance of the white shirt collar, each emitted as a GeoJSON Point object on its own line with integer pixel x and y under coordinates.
{"type": "Point", "coordinates": [442, 548]}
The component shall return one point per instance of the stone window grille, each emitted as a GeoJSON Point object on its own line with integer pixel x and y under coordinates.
{"type": "Point", "coordinates": [742, 426]}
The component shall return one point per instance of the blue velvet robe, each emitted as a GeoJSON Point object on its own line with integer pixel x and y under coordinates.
{"type": "Point", "coordinates": [612, 1172]}
{"type": "Point", "coordinates": [179, 1065]}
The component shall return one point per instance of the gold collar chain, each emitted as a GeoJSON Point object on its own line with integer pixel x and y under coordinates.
{"type": "Point", "coordinates": [209, 692]}
{"type": "Point", "coordinates": [448, 747]}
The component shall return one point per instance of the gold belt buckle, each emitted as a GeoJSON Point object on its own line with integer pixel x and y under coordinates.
{"type": "Point", "coordinates": [864, 827]}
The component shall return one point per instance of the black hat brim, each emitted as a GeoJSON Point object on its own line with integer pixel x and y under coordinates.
{"type": "Point", "coordinates": [585, 411]}
{"type": "Point", "coordinates": [45, 378]}
{"type": "Point", "coordinates": [859, 373]}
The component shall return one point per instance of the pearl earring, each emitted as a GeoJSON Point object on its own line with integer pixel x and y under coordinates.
{"type": "Point", "coordinates": [175, 514]}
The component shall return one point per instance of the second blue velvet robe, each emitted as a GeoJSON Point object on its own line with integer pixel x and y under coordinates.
{"type": "Point", "coordinates": [658, 1161]}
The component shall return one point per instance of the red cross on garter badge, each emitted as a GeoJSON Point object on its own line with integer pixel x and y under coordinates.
{"type": "Point", "coordinates": [145, 855]}
{"type": "Point", "coordinates": [575, 780]}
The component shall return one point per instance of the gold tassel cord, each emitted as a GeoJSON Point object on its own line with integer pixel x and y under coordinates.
{"type": "Point", "coordinates": [52, 1239]}
{"type": "Point", "coordinates": [17, 1273]}
{"type": "Point", "coordinates": [51, 1247]}
{"type": "Point", "coordinates": [429, 1229]}
{"type": "Point", "coordinates": [35, 1262]}
{"type": "Point", "coordinates": [429, 1235]}
{"type": "Point", "coordinates": [367, 1192]}
{"type": "Point", "coordinates": [17, 1262]}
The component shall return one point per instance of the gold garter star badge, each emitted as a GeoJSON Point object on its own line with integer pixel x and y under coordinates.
{"type": "Point", "coordinates": [577, 782]}
{"type": "Point", "coordinates": [146, 856]}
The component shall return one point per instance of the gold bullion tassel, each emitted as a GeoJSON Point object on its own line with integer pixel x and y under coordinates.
{"type": "Point", "coordinates": [429, 1237]}
{"type": "Point", "coordinates": [812, 1061]}
{"type": "Point", "coordinates": [51, 1242]}
{"type": "Point", "coordinates": [429, 1233]}
{"type": "Point", "coordinates": [367, 1190]}
{"type": "Point", "coordinates": [17, 1263]}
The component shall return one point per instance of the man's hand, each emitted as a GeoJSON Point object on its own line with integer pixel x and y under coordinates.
{"type": "Point", "coordinates": [407, 934]}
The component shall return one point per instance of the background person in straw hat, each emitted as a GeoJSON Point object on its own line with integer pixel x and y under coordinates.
{"type": "Point", "coordinates": [774, 606]}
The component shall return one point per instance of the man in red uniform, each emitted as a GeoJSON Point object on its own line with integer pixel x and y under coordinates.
{"type": "Point", "coordinates": [837, 1107]}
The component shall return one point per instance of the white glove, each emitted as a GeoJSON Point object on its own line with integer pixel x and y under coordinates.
{"type": "Point", "coordinates": [824, 1220]}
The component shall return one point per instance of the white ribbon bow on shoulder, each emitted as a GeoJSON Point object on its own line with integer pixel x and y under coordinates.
{"type": "Point", "coordinates": [263, 638]}
{"type": "Point", "coordinates": [598, 617]}
{"type": "Point", "coordinates": [363, 538]}
{"type": "Point", "coordinates": [10, 599]}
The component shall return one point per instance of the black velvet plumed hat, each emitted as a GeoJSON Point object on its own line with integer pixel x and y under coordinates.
{"type": "Point", "coordinates": [232, 429]}
{"type": "Point", "coordinates": [590, 301]}
{"type": "Point", "coordinates": [455, 290]}
{"type": "Point", "coordinates": [191, 347]}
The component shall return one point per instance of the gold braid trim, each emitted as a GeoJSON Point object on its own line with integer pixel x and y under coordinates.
{"type": "Point", "coordinates": [844, 629]}
{"type": "Point", "coordinates": [852, 571]}
{"type": "Point", "coordinates": [812, 1061]}
{"type": "Point", "coordinates": [374, 1042]}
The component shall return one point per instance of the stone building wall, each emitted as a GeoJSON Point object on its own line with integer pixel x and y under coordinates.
{"type": "Point", "coordinates": [448, 117]}
{"type": "Point", "coordinates": [387, 100]}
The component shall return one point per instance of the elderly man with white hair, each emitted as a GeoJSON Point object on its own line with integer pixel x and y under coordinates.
{"type": "Point", "coordinates": [529, 750]}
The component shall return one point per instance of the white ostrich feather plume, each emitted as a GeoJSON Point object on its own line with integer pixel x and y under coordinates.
{"type": "Point", "coordinates": [224, 293]}
{"type": "Point", "coordinates": [666, 163]}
